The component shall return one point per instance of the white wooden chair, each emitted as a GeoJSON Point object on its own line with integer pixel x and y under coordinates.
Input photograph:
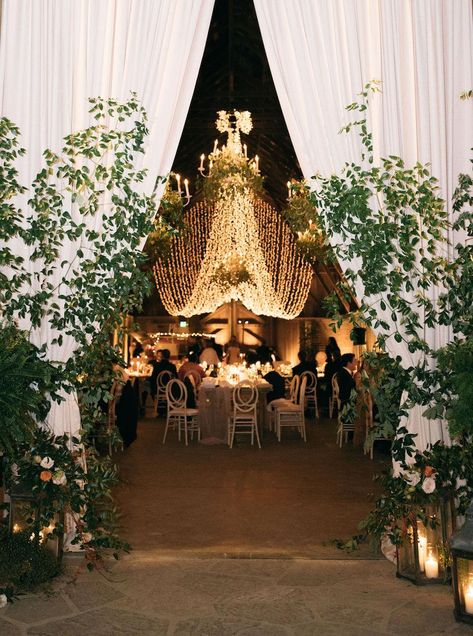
{"type": "Point", "coordinates": [292, 399]}
{"type": "Point", "coordinates": [311, 391]}
{"type": "Point", "coordinates": [334, 400]}
{"type": "Point", "coordinates": [178, 415]}
{"type": "Point", "coordinates": [371, 437]}
{"type": "Point", "coordinates": [344, 426]}
{"type": "Point", "coordinates": [244, 419]}
{"type": "Point", "coordinates": [291, 414]}
{"type": "Point", "coordinates": [164, 377]}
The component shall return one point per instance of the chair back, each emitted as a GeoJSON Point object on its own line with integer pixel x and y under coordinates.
{"type": "Point", "coordinates": [176, 394]}
{"type": "Point", "coordinates": [311, 378]}
{"type": "Point", "coordinates": [245, 396]}
{"type": "Point", "coordinates": [194, 377]}
{"type": "Point", "coordinates": [302, 391]}
{"type": "Point", "coordinates": [163, 379]}
{"type": "Point", "coordinates": [335, 387]}
{"type": "Point", "coordinates": [294, 388]}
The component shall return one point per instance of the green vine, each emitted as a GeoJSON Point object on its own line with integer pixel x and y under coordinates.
{"type": "Point", "coordinates": [230, 169]}
{"type": "Point", "coordinates": [389, 221]}
{"type": "Point", "coordinates": [82, 298]}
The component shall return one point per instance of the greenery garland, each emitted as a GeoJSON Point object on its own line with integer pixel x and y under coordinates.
{"type": "Point", "coordinates": [94, 173]}
{"type": "Point", "coordinates": [390, 220]}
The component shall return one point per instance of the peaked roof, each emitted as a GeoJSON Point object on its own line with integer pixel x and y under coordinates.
{"type": "Point", "coordinates": [235, 74]}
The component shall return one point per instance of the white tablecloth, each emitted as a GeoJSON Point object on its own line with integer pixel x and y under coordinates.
{"type": "Point", "coordinates": [215, 408]}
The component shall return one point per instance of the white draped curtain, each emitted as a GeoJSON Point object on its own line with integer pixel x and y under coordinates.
{"type": "Point", "coordinates": [55, 54]}
{"type": "Point", "coordinates": [321, 53]}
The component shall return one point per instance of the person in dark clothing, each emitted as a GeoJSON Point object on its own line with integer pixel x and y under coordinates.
{"type": "Point", "coordinates": [191, 401]}
{"type": "Point", "coordinates": [163, 365]}
{"type": "Point", "coordinates": [332, 350]}
{"type": "Point", "coordinates": [277, 382]}
{"type": "Point", "coordinates": [331, 368]}
{"type": "Point", "coordinates": [138, 350]}
{"type": "Point", "coordinates": [264, 353]}
{"type": "Point", "coordinates": [127, 413]}
{"type": "Point", "coordinates": [346, 382]}
{"type": "Point", "coordinates": [304, 365]}
{"type": "Point", "coordinates": [251, 357]}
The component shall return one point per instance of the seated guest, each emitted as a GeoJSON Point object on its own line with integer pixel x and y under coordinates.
{"type": "Point", "coordinates": [304, 365]}
{"type": "Point", "coordinates": [233, 351]}
{"type": "Point", "coordinates": [164, 364]}
{"type": "Point", "coordinates": [137, 350]}
{"type": "Point", "coordinates": [251, 357]}
{"type": "Point", "coordinates": [277, 382]}
{"type": "Point", "coordinates": [264, 353]}
{"type": "Point", "coordinates": [191, 365]}
{"type": "Point", "coordinates": [126, 407]}
{"type": "Point", "coordinates": [209, 355]}
{"type": "Point", "coordinates": [346, 382]}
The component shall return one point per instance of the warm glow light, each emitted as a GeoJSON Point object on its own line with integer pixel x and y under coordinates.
{"type": "Point", "coordinates": [431, 567]}
{"type": "Point", "coordinates": [468, 596]}
{"type": "Point", "coordinates": [422, 551]}
{"type": "Point", "coordinates": [240, 248]}
{"type": "Point", "coordinates": [180, 336]}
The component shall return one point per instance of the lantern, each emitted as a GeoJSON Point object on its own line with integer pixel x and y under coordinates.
{"type": "Point", "coordinates": [20, 510]}
{"type": "Point", "coordinates": [423, 556]}
{"type": "Point", "coordinates": [22, 516]}
{"type": "Point", "coordinates": [462, 569]}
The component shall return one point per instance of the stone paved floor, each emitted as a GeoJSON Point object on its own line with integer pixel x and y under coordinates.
{"type": "Point", "coordinates": [147, 595]}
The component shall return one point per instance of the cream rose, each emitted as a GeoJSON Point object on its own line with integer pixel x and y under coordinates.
{"type": "Point", "coordinates": [59, 478]}
{"type": "Point", "coordinates": [429, 485]}
{"type": "Point", "coordinates": [47, 462]}
{"type": "Point", "coordinates": [3, 600]}
{"type": "Point", "coordinates": [412, 478]}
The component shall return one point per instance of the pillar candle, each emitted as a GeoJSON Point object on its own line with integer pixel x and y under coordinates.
{"type": "Point", "coordinates": [431, 567]}
{"type": "Point", "coordinates": [469, 599]}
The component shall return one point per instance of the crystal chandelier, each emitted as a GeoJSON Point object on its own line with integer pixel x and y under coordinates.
{"type": "Point", "coordinates": [235, 246]}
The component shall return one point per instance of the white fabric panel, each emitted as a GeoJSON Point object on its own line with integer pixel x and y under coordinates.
{"type": "Point", "coordinates": [55, 54]}
{"type": "Point", "coordinates": [322, 53]}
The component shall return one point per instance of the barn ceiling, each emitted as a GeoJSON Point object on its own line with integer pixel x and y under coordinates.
{"type": "Point", "coordinates": [235, 74]}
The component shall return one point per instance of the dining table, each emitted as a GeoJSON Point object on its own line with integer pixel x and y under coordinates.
{"type": "Point", "coordinates": [215, 407]}
{"type": "Point", "coordinates": [138, 377]}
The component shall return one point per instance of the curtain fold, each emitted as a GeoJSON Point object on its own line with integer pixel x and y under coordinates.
{"type": "Point", "coordinates": [55, 54]}
{"type": "Point", "coordinates": [322, 53]}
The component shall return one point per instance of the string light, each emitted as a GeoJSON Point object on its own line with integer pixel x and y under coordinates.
{"type": "Point", "coordinates": [236, 248]}
{"type": "Point", "coordinates": [180, 336]}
